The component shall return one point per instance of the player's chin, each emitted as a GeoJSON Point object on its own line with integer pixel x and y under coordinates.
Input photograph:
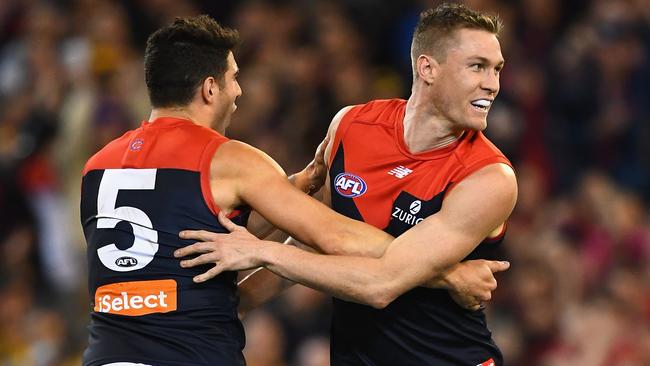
{"type": "Point", "coordinates": [481, 125]}
{"type": "Point", "coordinates": [228, 115]}
{"type": "Point", "coordinates": [476, 123]}
{"type": "Point", "coordinates": [477, 119]}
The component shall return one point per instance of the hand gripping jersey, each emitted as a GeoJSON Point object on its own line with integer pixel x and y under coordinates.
{"type": "Point", "coordinates": [138, 193]}
{"type": "Point", "coordinates": [375, 179]}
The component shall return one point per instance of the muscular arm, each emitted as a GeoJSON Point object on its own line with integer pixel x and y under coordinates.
{"type": "Point", "coordinates": [309, 180]}
{"type": "Point", "coordinates": [468, 214]}
{"type": "Point", "coordinates": [476, 280]}
{"type": "Point", "coordinates": [244, 175]}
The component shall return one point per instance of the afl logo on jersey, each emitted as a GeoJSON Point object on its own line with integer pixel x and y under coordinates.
{"type": "Point", "coordinates": [136, 144]}
{"type": "Point", "coordinates": [126, 261]}
{"type": "Point", "coordinates": [349, 185]}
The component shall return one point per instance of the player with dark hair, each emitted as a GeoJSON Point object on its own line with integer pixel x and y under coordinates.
{"type": "Point", "coordinates": [422, 170]}
{"type": "Point", "coordinates": [176, 171]}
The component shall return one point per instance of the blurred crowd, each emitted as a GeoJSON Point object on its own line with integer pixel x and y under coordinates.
{"type": "Point", "coordinates": [573, 115]}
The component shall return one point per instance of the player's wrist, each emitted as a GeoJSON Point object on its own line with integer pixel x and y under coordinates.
{"type": "Point", "coordinates": [447, 280]}
{"type": "Point", "coordinates": [266, 254]}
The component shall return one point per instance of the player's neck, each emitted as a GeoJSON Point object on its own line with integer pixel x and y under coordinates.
{"type": "Point", "coordinates": [424, 131]}
{"type": "Point", "coordinates": [177, 112]}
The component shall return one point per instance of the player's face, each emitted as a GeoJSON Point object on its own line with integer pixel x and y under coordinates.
{"type": "Point", "coordinates": [468, 81]}
{"type": "Point", "coordinates": [228, 94]}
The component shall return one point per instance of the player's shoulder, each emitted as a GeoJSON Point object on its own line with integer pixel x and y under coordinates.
{"type": "Point", "coordinates": [236, 157]}
{"type": "Point", "coordinates": [193, 134]}
{"type": "Point", "coordinates": [499, 176]}
{"type": "Point", "coordinates": [110, 152]}
{"type": "Point", "coordinates": [239, 149]}
{"type": "Point", "coordinates": [476, 154]}
{"type": "Point", "coordinates": [476, 147]}
{"type": "Point", "coordinates": [380, 111]}
{"type": "Point", "coordinates": [380, 105]}
{"type": "Point", "coordinates": [207, 132]}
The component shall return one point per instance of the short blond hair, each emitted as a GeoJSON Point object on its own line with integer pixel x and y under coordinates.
{"type": "Point", "coordinates": [435, 29]}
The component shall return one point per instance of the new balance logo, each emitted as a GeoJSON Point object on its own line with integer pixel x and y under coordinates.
{"type": "Point", "coordinates": [400, 171]}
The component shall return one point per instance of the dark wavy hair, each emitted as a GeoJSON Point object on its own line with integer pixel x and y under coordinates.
{"type": "Point", "coordinates": [180, 56]}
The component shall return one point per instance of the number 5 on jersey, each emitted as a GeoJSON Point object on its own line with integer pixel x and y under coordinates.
{"type": "Point", "coordinates": [145, 243]}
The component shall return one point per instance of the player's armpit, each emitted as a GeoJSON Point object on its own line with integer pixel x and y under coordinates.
{"type": "Point", "coordinates": [331, 131]}
{"type": "Point", "coordinates": [331, 135]}
{"type": "Point", "coordinates": [312, 177]}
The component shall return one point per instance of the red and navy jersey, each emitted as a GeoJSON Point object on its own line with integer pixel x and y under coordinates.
{"type": "Point", "coordinates": [375, 179]}
{"type": "Point", "coordinates": [137, 194]}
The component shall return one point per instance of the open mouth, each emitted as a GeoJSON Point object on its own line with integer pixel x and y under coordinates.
{"type": "Point", "coordinates": [482, 105]}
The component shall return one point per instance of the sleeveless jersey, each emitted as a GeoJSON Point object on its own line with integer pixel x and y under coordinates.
{"type": "Point", "coordinates": [137, 194]}
{"type": "Point", "coordinates": [375, 179]}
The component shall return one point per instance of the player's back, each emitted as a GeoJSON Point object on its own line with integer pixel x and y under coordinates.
{"type": "Point", "coordinates": [137, 194]}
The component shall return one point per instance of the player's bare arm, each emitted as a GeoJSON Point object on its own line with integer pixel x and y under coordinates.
{"type": "Point", "coordinates": [309, 180]}
{"type": "Point", "coordinates": [470, 283]}
{"type": "Point", "coordinates": [258, 286]}
{"type": "Point", "coordinates": [242, 175]}
{"type": "Point", "coordinates": [224, 176]}
{"type": "Point", "coordinates": [427, 250]}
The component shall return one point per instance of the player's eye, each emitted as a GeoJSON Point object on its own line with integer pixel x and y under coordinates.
{"type": "Point", "coordinates": [476, 67]}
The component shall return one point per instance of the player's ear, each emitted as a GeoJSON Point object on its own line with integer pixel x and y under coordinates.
{"type": "Point", "coordinates": [209, 89]}
{"type": "Point", "coordinates": [427, 68]}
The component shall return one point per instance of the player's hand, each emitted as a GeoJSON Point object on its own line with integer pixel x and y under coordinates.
{"type": "Point", "coordinates": [316, 171]}
{"type": "Point", "coordinates": [471, 283]}
{"type": "Point", "coordinates": [228, 252]}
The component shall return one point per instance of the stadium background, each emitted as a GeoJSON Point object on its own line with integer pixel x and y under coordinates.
{"type": "Point", "coordinates": [572, 115]}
